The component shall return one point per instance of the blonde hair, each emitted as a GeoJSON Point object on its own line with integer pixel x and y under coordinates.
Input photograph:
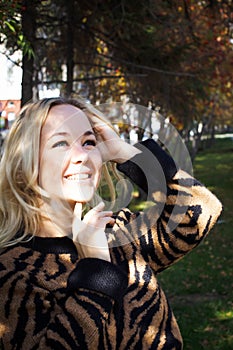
{"type": "Point", "coordinates": [20, 194]}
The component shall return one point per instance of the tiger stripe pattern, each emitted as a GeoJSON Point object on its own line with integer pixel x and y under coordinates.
{"type": "Point", "coordinates": [38, 310]}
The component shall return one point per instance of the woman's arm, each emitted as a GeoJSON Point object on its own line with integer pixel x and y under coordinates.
{"type": "Point", "coordinates": [184, 210]}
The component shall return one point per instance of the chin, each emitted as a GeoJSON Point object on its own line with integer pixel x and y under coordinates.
{"type": "Point", "coordinates": [83, 195]}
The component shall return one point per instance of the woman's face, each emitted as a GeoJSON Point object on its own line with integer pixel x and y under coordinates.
{"type": "Point", "coordinates": [70, 162]}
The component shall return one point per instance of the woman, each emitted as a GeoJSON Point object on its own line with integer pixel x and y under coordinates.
{"type": "Point", "coordinates": [71, 280]}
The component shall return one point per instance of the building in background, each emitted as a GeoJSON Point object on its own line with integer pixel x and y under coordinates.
{"type": "Point", "coordinates": [8, 112]}
{"type": "Point", "coordinates": [10, 89]}
{"type": "Point", "coordinates": [10, 75]}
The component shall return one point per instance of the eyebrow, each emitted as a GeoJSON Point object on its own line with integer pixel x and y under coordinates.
{"type": "Point", "coordinates": [87, 133]}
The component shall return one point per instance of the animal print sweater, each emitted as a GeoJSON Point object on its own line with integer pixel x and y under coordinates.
{"type": "Point", "coordinates": [52, 299]}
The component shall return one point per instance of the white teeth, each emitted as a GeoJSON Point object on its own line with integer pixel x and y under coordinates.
{"type": "Point", "coordinates": [78, 177]}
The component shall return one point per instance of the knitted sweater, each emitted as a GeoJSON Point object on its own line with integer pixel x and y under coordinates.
{"type": "Point", "coordinates": [52, 299]}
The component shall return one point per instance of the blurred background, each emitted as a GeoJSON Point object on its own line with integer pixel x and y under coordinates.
{"type": "Point", "coordinates": [176, 59]}
{"type": "Point", "coordinates": [173, 55]}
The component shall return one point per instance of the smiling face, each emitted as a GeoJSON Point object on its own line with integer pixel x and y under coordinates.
{"type": "Point", "coordinates": [70, 162]}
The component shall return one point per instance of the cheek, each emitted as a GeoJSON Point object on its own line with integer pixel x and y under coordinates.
{"type": "Point", "coordinates": [49, 172]}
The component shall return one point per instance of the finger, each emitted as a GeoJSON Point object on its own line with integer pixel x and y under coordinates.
{"type": "Point", "coordinates": [103, 222]}
{"type": "Point", "coordinates": [94, 212]}
{"type": "Point", "coordinates": [111, 221]}
{"type": "Point", "coordinates": [92, 217]}
{"type": "Point", "coordinates": [105, 213]}
{"type": "Point", "coordinates": [99, 207]}
{"type": "Point", "coordinates": [99, 124]}
{"type": "Point", "coordinates": [78, 210]}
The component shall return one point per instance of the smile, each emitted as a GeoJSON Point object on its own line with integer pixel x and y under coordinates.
{"type": "Point", "coordinates": [78, 177]}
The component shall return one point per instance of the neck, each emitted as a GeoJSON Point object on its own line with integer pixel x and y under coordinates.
{"type": "Point", "coordinates": [56, 220]}
{"type": "Point", "coordinates": [49, 228]}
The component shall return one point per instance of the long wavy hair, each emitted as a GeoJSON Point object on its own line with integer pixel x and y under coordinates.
{"type": "Point", "coordinates": [20, 194]}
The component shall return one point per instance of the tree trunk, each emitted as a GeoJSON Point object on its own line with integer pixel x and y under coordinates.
{"type": "Point", "coordinates": [28, 29]}
{"type": "Point", "coordinates": [70, 48]}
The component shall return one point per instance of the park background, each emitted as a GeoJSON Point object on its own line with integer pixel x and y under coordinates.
{"type": "Point", "coordinates": [174, 58]}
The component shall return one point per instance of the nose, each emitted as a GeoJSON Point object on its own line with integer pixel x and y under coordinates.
{"type": "Point", "coordinates": [78, 154]}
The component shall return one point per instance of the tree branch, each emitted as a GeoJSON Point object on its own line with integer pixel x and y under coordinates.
{"type": "Point", "coordinates": [98, 77]}
{"type": "Point", "coordinates": [152, 69]}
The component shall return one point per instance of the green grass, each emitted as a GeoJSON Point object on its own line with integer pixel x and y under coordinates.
{"type": "Point", "coordinates": [200, 287]}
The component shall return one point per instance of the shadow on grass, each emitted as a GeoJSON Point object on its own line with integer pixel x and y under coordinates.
{"type": "Point", "coordinates": [206, 322]}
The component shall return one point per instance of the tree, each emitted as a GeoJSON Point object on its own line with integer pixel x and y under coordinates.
{"type": "Point", "coordinates": [175, 54]}
{"type": "Point", "coordinates": [9, 23]}
{"type": "Point", "coordinates": [28, 20]}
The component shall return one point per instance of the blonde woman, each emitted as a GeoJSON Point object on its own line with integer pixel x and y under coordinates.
{"type": "Point", "coordinates": [75, 279]}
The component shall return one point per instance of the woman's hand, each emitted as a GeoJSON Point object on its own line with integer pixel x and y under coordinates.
{"type": "Point", "coordinates": [89, 235]}
{"type": "Point", "coordinates": [111, 146]}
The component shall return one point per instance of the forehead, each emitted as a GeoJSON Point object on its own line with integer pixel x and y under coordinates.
{"type": "Point", "coordinates": [65, 118]}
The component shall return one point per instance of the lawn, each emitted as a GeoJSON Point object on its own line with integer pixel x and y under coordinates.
{"type": "Point", "coordinates": [200, 287]}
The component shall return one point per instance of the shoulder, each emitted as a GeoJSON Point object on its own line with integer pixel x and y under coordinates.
{"type": "Point", "coordinates": [14, 258]}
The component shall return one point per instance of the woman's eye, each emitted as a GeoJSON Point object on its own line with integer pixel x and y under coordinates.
{"type": "Point", "coordinates": [90, 143]}
{"type": "Point", "coordinates": [60, 144]}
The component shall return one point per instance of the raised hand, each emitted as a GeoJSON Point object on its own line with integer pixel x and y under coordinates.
{"type": "Point", "coordinates": [88, 233]}
{"type": "Point", "coordinates": [111, 146]}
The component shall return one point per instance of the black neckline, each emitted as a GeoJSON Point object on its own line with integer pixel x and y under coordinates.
{"type": "Point", "coordinates": [53, 245]}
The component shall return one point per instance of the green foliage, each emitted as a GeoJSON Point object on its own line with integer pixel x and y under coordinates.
{"type": "Point", "coordinates": [175, 54]}
{"type": "Point", "coordinates": [11, 29]}
{"type": "Point", "coordinates": [8, 16]}
{"type": "Point", "coordinates": [11, 25]}
{"type": "Point", "coordinates": [25, 46]}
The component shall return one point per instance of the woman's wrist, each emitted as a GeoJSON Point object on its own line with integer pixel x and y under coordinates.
{"type": "Point", "coordinates": [126, 152]}
{"type": "Point", "coordinates": [85, 251]}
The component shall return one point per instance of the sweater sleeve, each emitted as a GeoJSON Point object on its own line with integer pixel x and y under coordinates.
{"type": "Point", "coordinates": [74, 317]}
{"type": "Point", "coordinates": [184, 210]}
{"type": "Point", "coordinates": [151, 168]}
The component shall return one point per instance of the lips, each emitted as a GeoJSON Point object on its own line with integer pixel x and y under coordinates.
{"type": "Point", "coordinates": [78, 177]}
